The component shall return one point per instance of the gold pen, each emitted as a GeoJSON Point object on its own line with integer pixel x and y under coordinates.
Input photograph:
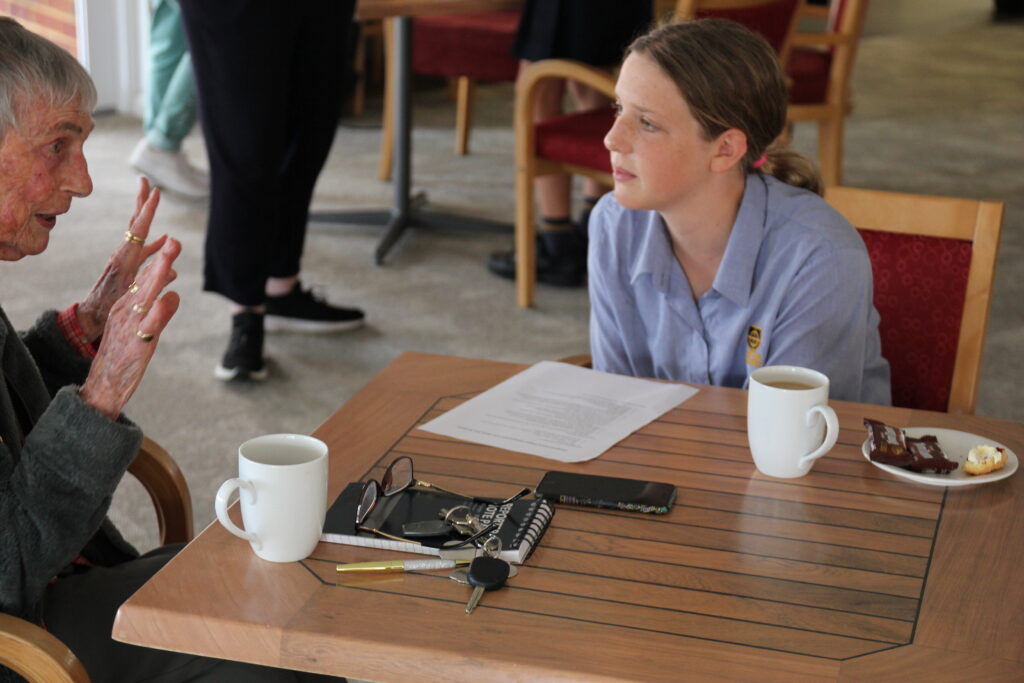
{"type": "Point", "coordinates": [400, 565]}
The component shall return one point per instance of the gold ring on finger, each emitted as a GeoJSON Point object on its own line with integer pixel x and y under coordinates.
{"type": "Point", "coordinates": [140, 309]}
{"type": "Point", "coordinates": [129, 236]}
{"type": "Point", "coordinates": [133, 287]}
{"type": "Point", "coordinates": [144, 336]}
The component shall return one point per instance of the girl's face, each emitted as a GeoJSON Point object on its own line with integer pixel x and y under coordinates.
{"type": "Point", "coordinates": [660, 157]}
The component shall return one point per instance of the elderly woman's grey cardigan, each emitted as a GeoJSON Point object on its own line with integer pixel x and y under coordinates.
{"type": "Point", "coordinates": [56, 480]}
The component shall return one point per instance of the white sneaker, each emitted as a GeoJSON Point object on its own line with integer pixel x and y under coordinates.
{"type": "Point", "coordinates": [170, 171]}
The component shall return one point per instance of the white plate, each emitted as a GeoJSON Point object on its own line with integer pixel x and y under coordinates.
{"type": "Point", "coordinates": [955, 444]}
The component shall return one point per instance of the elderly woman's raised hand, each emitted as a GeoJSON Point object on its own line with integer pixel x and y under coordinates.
{"type": "Point", "coordinates": [123, 265]}
{"type": "Point", "coordinates": [132, 330]}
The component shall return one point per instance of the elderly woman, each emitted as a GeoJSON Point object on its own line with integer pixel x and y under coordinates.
{"type": "Point", "coordinates": [64, 444]}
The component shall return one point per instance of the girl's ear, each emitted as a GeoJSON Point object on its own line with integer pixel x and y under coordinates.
{"type": "Point", "coordinates": [730, 148]}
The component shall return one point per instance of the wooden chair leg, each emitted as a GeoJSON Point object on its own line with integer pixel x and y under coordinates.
{"type": "Point", "coordinates": [830, 150]}
{"type": "Point", "coordinates": [387, 133]}
{"type": "Point", "coordinates": [463, 113]}
{"type": "Point", "coordinates": [525, 236]}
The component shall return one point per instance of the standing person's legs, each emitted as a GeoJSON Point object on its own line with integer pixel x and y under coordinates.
{"type": "Point", "coordinates": [170, 107]}
{"type": "Point", "coordinates": [316, 83]}
{"type": "Point", "coordinates": [316, 79]}
{"type": "Point", "coordinates": [241, 57]}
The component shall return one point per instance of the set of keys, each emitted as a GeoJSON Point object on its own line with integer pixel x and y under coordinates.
{"type": "Point", "coordinates": [486, 572]}
{"type": "Point", "coordinates": [459, 518]}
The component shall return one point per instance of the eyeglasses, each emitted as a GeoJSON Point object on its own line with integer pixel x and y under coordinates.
{"type": "Point", "coordinates": [397, 478]}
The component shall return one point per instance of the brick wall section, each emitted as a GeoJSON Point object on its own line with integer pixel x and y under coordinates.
{"type": "Point", "coordinates": [53, 19]}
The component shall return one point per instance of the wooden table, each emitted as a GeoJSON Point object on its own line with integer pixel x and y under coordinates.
{"type": "Point", "coordinates": [846, 572]}
{"type": "Point", "coordinates": [408, 210]}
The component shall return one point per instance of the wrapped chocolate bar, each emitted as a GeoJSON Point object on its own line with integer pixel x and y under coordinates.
{"type": "Point", "coordinates": [928, 456]}
{"type": "Point", "coordinates": [888, 445]}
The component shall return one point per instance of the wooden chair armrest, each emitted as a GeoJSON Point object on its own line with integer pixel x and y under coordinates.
{"type": "Point", "coordinates": [37, 655]}
{"type": "Point", "coordinates": [581, 359]}
{"type": "Point", "coordinates": [159, 474]}
{"type": "Point", "coordinates": [820, 39]}
{"type": "Point", "coordinates": [814, 11]}
{"type": "Point", "coordinates": [598, 79]}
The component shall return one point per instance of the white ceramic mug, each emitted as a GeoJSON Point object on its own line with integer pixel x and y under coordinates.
{"type": "Point", "coordinates": [282, 490]}
{"type": "Point", "coordinates": [789, 422]}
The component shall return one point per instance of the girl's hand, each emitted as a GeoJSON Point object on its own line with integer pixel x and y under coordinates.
{"type": "Point", "coordinates": [132, 331]}
{"type": "Point", "coordinates": [123, 265]}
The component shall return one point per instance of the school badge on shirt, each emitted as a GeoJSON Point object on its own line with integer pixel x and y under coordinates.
{"type": "Point", "coordinates": [753, 343]}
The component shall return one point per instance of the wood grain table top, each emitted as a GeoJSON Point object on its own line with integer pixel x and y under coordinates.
{"type": "Point", "coordinates": [847, 572]}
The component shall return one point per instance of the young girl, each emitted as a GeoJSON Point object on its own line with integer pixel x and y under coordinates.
{"type": "Point", "coordinates": [715, 255]}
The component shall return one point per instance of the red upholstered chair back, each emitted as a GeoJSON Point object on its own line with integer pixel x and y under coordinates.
{"type": "Point", "coordinates": [933, 260]}
{"type": "Point", "coordinates": [475, 45]}
{"type": "Point", "coordinates": [920, 286]}
{"type": "Point", "coordinates": [773, 21]}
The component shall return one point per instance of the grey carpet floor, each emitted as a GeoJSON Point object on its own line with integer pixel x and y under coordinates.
{"type": "Point", "coordinates": [939, 110]}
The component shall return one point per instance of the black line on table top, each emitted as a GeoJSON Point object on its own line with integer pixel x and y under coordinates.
{"type": "Point", "coordinates": [738, 533]}
{"type": "Point", "coordinates": [661, 468]}
{"type": "Point", "coordinates": [733, 552]}
{"type": "Point", "coordinates": [746, 496]}
{"type": "Point", "coordinates": [928, 568]}
{"type": "Point", "coordinates": [716, 458]}
{"type": "Point", "coordinates": [819, 523]}
{"type": "Point", "coordinates": [564, 617]}
{"type": "Point", "coordinates": [733, 573]}
{"type": "Point", "coordinates": [673, 610]}
{"type": "Point", "coordinates": [619, 579]}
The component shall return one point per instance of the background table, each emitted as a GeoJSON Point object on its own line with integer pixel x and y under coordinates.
{"type": "Point", "coordinates": [406, 210]}
{"type": "Point", "coordinates": [845, 572]}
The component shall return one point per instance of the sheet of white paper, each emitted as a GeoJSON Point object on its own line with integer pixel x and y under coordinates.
{"type": "Point", "coordinates": [560, 411]}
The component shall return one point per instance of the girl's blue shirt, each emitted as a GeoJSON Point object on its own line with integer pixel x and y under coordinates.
{"type": "Point", "coordinates": [794, 288]}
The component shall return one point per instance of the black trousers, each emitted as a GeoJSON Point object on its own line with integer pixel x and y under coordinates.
{"type": "Point", "coordinates": [269, 78]}
{"type": "Point", "coordinates": [80, 611]}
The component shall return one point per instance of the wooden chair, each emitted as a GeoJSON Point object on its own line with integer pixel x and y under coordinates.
{"type": "Point", "coordinates": [574, 143]}
{"type": "Point", "coordinates": [465, 48]}
{"type": "Point", "coordinates": [819, 68]}
{"type": "Point", "coordinates": [934, 261]}
{"type": "Point", "coordinates": [38, 655]}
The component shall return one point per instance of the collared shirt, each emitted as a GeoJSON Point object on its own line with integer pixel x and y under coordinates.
{"type": "Point", "coordinates": [794, 288]}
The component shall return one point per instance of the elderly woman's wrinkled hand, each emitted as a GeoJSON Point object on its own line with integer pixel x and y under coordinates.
{"type": "Point", "coordinates": [131, 334]}
{"type": "Point", "coordinates": [123, 265]}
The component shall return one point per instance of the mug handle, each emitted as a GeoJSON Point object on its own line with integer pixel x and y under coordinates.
{"type": "Point", "coordinates": [221, 506]}
{"type": "Point", "coordinates": [831, 433]}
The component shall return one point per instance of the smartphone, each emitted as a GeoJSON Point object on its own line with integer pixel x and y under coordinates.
{"type": "Point", "coordinates": [631, 495]}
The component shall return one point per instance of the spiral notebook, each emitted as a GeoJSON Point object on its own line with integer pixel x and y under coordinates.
{"type": "Point", "coordinates": [521, 523]}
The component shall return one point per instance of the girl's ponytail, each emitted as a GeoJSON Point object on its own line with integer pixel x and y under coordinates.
{"type": "Point", "coordinates": [792, 168]}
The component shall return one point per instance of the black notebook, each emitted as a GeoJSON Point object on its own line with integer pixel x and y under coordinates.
{"type": "Point", "coordinates": [522, 523]}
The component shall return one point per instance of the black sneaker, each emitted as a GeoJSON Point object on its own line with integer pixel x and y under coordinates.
{"type": "Point", "coordinates": [244, 358]}
{"type": "Point", "coordinates": [300, 310]}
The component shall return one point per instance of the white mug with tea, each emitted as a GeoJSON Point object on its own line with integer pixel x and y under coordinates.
{"type": "Point", "coordinates": [282, 491]}
{"type": "Point", "coordinates": [789, 422]}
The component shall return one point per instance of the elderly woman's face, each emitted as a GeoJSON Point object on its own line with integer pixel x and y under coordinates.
{"type": "Point", "coordinates": [42, 166]}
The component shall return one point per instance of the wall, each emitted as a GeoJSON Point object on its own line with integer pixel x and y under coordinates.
{"type": "Point", "coordinates": [54, 19]}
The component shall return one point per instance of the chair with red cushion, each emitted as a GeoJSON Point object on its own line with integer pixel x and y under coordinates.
{"type": "Point", "coordinates": [465, 48]}
{"type": "Point", "coordinates": [933, 260]}
{"type": "Point", "coordinates": [819, 68]}
{"type": "Point", "coordinates": [574, 143]}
